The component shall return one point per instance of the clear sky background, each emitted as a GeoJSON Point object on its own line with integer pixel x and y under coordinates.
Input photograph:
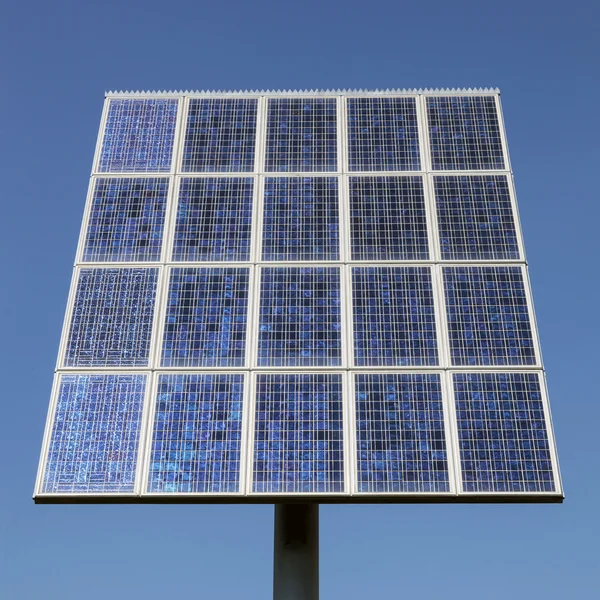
{"type": "Point", "coordinates": [57, 59]}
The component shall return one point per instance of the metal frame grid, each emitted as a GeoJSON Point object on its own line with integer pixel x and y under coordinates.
{"type": "Point", "coordinates": [219, 166]}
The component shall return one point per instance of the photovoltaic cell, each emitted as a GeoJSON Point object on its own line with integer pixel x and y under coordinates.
{"type": "Point", "coordinates": [394, 317]}
{"type": "Point", "coordinates": [488, 318]}
{"type": "Point", "coordinates": [207, 312]}
{"type": "Point", "coordinates": [502, 433]}
{"type": "Point", "coordinates": [301, 219]}
{"type": "Point", "coordinates": [220, 135]}
{"type": "Point", "coordinates": [126, 220]}
{"type": "Point", "coordinates": [95, 434]}
{"type": "Point", "coordinates": [196, 441]}
{"type": "Point", "coordinates": [111, 324]}
{"type": "Point", "coordinates": [138, 136]}
{"type": "Point", "coordinates": [298, 438]}
{"type": "Point", "coordinates": [300, 319]}
{"type": "Point", "coordinates": [383, 134]}
{"type": "Point", "coordinates": [475, 218]}
{"type": "Point", "coordinates": [214, 219]}
{"type": "Point", "coordinates": [388, 219]}
{"type": "Point", "coordinates": [464, 133]}
{"type": "Point", "coordinates": [301, 135]}
{"type": "Point", "coordinates": [401, 444]}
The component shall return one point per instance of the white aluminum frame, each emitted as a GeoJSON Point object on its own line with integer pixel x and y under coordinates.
{"type": "Point", "coordinates": [255, 264]}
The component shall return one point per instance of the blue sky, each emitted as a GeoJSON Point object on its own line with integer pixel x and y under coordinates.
{"type": "Point", "coordinates": [58, 58]}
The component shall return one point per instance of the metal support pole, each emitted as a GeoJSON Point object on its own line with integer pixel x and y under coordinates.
{"type": "Point", "coordinates": [296, 552]}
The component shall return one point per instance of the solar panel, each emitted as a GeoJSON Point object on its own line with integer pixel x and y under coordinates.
{"type": "Point", "coordinates": [383, 134]}
{"type": "Point", "coordinates": [488, 316]}
{"type": "Point", "coordinates": [207, 313]}
{"type": "Point", "coordinates": [138, 136]}
{"type": "Point", "coordinates": [300, 317]}
{"type": "Point", "coordinates": [475, 218]}
{"type": "Point", "coordinates": [112, 318]}
{"type": "Point", "coordinates": [393, 316]}
{"type": "Point", "coordinates": [127, 219]}
{"type": "Point", "coordinates": [301, 135]}
{"type": "Point", "coordinates": [502, 432]}
{"type": "Point", "coordinates": [220, 135]}
{"type": "Point", "coordinates": [321, 295]}
{"type": "Point", "coordinates": [95, 433]}
{"type": "Point", "coordinates": [400, 437]}
{"type": "Point", "coordinates": [214, 219]}
{"type": "Point", "coordinates": [388, 219]}
{"type": "Point", "coordinates": [464, 133]}
{"type": "Point", "coordinates": [197, 433]}
{"type": "Point", "coordinates": [301, 219]}
{"type": "Point", "coordinates": [298, 436]}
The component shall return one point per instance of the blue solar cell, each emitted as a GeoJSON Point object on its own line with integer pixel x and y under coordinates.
{"type": "Point", "coordinates": [298, 437]}
{"type": "Point", "coordinates": [220, 135]}
{"type": "Point", "coordinates": [111, 324]}
{"type": "Point", "coordinates": [394, 318]}
{"type": "Point", "coordinates": [95, 434]}
{"type": "Point", "coordinates": [502, 434]}
{"type": "Point", "coordinates": [464, 133]}
{"type": "Point", "coordinates": [300, 320]}
{"type": "Point", "coordinates": [138, 136]}
{"type": "Point", "coordinates": [488, 318]}
{"type": "Point", "coordinates": [388, 219]}
{"type": "Point", "coordinates": [196, 441]}
{"type": "Point", "coordinates": [207, 313]}
{"type": "Point", "coordinates": [301, 219]}
{"type": "Point", "coordinates": [126, 220]}
{"type": "Point", "coordinates": [383, 134]}
{"type": "Point", "coordinates": [400, 438]}
{"type": "Point", "coordinates": [301, 135]}
{"type": "Point", "coordinates": [475, 218]}
{"type": "Point", "coordinates": [214, 219]}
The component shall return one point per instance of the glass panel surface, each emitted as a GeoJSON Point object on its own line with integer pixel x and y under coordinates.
{"type": "Point", "coordinates": [138, 136]}
{"type": "Point", "coordinates": [196, 441]}
{"type": "Point", "coordinates": [502, 434]}
{"type": "Point", "coordinates": [298, 438]}
{"type": "Point", "coordinates": [400, 438]}
{"type": "Point", "coordinates": [95, 434]}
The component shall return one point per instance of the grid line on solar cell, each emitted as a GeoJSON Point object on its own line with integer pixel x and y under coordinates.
{"type": "Point", "coordinates": [502, 433]}
{"type": "Point", "coordinates": [220, 135]}
{"type": "Point", "coordinates": [299, 317]}
{"type": "Point", "coordinates": [400, 437]}
{"type": "Point", "coordinates": [383, 134]}
{"type": "Point", "coordinates": [138, 136]}
{"type": "Point", "coordinates": [214, 219]}
{"type": "Point", "coordinates": [207, 312]}
{"type": "Point", "coordinates": [298, 437]}
{"type": "Point", "coordinates": [196, 441]}
{"type": "Point", "coordinates": [464, 133]}
{"type": "Point", "coordinates": [126, 220]}
{"type": "Point", "coordinates": [475, 218]}
{"type": "Point", "coordinates": [393, 316]}
{"type": "Point", "coordinates": [301, 135]}
{"type": "Point", "coordinates": [388, 219]}
{"type": "Point", "coordinates": [301, 219]}
{"type": "Point", "coordinates": [94, 440]}
{"type": "Point", "coordinates": [488, 317]}
{"type": "Point", "coordinates": [111, 322]}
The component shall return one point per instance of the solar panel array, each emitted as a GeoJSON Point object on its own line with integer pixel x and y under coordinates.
{"type": "Point", "coordinates": [315, 295]}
